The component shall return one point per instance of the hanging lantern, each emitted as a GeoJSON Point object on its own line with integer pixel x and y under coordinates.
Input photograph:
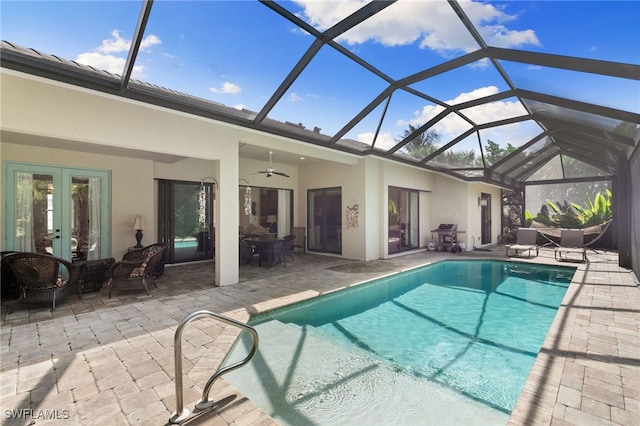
{"type": "Point", "coordinates": [247, 200]}
{"type": "Point", "coordinates": [202, 205]}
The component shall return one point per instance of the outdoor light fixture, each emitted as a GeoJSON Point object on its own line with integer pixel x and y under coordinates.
{"type": "Point", "coordinates": [483, 202]}
{"type": "Point", "coordinates": [138, 226]}
{"type": "Point", "coordinates": [202, 200]}
{"type": "Point", "coordinates": [247, 198]}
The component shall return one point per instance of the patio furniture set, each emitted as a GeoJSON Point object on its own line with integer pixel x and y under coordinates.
{"type": "Point", "coordinates": [265, 248]}
{"type": "Point", "coordinates": [44, 278]}
{"type": "Point", "coordinates": [571, 247]}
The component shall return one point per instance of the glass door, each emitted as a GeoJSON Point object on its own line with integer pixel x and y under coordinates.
{"type": "Point", "coordinates": [186, 223]}
{"type": "Point", "coordinates": [59, 211]}
{"type": "Point", "coordinates": [403, 219]}
{"type": "Point", "coordinates": [485, 217]}
{"type": "Point", "coordinates": [324, 221]}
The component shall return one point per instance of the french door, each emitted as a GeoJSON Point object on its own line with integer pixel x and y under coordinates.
{"type": "Point", "coordinates": [324, 221]}
{"type": "Point", "coordinates": [59, 211]}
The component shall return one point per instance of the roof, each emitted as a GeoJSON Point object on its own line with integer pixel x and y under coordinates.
{"type": "Point", "coordinates": [412, 101]}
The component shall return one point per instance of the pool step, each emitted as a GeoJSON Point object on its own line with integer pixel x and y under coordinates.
{"type": "Point", "coordinates": [299, 377]}
{"type": "Point", "coordinates": [280, 337]}
{"type": "Point", "coordinates": [298, 374]}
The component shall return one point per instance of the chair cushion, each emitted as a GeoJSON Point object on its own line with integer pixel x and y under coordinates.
{"type": "Point", "coordinates": [59, 283]}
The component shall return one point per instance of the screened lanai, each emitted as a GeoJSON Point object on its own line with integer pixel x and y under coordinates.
{"type": "Point", "coordinates": [503, 93]}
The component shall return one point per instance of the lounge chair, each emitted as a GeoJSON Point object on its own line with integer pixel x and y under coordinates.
{"type": "Point", "coordinates": [571, 243]}
{"type": "Point", "coordinates": [526, 241]}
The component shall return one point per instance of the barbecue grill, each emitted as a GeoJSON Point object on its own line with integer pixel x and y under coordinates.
{"type": "Point", "coordinates": [447, 236]}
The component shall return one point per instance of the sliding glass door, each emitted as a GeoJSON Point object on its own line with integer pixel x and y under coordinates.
{"type": "Point", "coordinates": [59, 211]}
{"type": "Point", "coordinates": [403, 219]}
{"type": "Point", "coordinates": [185, 218]}
{"type": "Point", "coordinates": [324, 221]}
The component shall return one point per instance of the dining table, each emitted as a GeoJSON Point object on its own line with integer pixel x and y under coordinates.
{"type": "Point", "coordinates": [264, 248]}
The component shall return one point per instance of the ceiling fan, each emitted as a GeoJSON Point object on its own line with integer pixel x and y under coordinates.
{"type": "Point", "coordinates": [270, 170]}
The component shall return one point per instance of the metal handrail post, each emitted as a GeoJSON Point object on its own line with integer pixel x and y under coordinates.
{"type": "Point", "coordinates": [181, 413]}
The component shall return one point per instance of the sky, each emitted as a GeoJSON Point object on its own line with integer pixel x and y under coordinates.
{"type": "Point", "coordinates": [238, 53]}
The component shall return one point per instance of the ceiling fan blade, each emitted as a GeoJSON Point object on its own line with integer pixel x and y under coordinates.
{"type": "Point", "coordinates": [281, 174]}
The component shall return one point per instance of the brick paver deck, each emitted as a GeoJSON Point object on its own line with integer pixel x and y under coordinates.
{"type": "Point", "coordinates": [110, 362]}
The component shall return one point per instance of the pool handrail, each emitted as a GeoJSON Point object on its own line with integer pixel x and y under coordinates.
{"type": "Point", "coordinates": [182, 413]}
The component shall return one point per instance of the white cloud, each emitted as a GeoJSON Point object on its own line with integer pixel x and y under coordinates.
{"type": "Point", "coordinates": [227, 88]}
{"type": "Point", "coordinates": [384, 141]}
{"type": "Point", "coordinates": [110, 63]}
{"type": "Point", "coordinates": [366, 137]}
{"type": "Point", "coordinates": [104, 58]}
{"type": "Point", "coordinates": [431, 24]}
{"type": "Point", "coordinates": [148, 42]}
{"type": "Point", "coordinates": [453, 125]}
{"type": "Point", "coordinates": [294, 97]}
{"type": "Point", "coordinates": [115, 44]}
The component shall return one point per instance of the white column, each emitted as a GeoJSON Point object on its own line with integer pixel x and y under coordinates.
{"type": "Point", "coordinates": [227, 210]}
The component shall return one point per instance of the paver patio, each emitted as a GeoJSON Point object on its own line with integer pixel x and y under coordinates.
{"type": "Point", "coordinates": [110, 361]}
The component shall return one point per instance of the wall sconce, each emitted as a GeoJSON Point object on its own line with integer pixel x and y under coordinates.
{"type": "Point", "coordinates": [483, 202]}
{"type": "Point", "coordinates": [138, 226]}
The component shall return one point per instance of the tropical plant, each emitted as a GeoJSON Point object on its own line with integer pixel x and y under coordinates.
{"type": "Point", "coordinates": [423, 144]}
{"type": "Point", "coordinates": [394, 213]}
{"type": "Point", "coordinates": [573, 215]}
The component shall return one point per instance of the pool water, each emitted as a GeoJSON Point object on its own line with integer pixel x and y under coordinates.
{"type": "Point", "coordinates": [449, 343]}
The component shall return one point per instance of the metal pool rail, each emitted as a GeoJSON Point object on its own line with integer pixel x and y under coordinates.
{"type": "Point", "coordinates": [181, 413]}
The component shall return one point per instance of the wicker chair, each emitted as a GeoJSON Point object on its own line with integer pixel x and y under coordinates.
{"type": "Point", "coordinates": [247, 253]}
{"type": "Point", "coordinates": [136, 271]}
{"type": "Point", "coordinates": [145, 253]}
{"type": "Point", "coordinates": [96, 273]}
{"type": "Point", "coordinates": [287, 248]}
{"type": "Point", "coordinates": [40, 279]}
{"type": "Point", "coordinates": [8, 280]}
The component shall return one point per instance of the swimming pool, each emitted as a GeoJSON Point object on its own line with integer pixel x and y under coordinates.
{"type": "Point", "coordinates": [449, 343]}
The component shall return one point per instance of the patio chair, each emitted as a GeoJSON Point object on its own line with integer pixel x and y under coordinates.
{"type": "Point", "coordinates": [96, 273]}
{"type": "Point", "coordinates": [136, 271]}
{"type": "Point", "coordinates": [247, 253]}
{"type": "Point", "coordinates": [525, 242]}
{"type": "Point", "coordinates": [287, 248]}
{"type": "Point", "coordinates": [8, 279]}
{"type": "Point", "coordinates": [144, 253]}
{"type": "Point", "coordinates": [571, 243]}
{"type": "Point", "coordinates": [40, 278]}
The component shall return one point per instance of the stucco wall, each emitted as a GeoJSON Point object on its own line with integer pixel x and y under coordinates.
{"type": "Point", "coordinates": [408, 178]}
{"type": "Point", "coordinates": [351, 178]}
